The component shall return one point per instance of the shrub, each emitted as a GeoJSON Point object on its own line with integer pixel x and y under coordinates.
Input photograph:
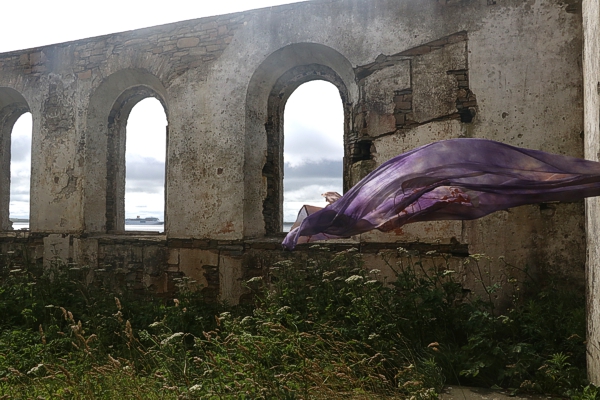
{"type": "Point", "coordinates": [322, 326]}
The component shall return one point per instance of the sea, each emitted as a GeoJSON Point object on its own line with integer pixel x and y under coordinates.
{"type": "Point", "coordinates": [140, 228]}
{"type": "Point", "coordinates": [17, 226]}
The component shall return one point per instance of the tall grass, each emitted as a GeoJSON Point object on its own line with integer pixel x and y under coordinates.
{"type": "Point", "coordinates": [321, 326]}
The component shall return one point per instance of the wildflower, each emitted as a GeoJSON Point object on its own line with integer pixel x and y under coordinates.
{"type": "Point", "coordinates": [173, 336]}
{"type": "Point", "coordinates": [373, 336]}
{"type": "Point", "coordinates": [284, 310]}
{"type": "Point", "coordinates": [118, 303]}
{"type": "Point", "coordinates": [35, 369]}
{"type": "Point", "coordinates": [375, 271]}
{"type": "Point", "coordinates": [225, 315]}
{"type": "Point", "coordinates": [255, 279]}
{"type": "Point", "coordinates": [246, 320]}
{"type": "Point", "coordinates": [354, 278]}
{"type": "Point", "coordinates": [284, 263]}
{"type": "Point", "coordinates": [195, 388]}
{"type": "Point", "coordinates": [372, 282]}
{"type": "Point", "coordinates": [155, 324]}
{"type": "Point", "coordinates": [176, 301]}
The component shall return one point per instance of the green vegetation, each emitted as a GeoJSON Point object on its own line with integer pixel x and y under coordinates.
{"type": "Point", "coordinates": [322, 326]}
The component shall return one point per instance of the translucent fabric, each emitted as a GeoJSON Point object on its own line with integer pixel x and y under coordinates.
{"type": "Point", "coordinates": [456, 179]}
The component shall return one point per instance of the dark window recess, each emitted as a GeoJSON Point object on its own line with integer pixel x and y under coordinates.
{"type": "Point", "coordinates": [361, 151]}
{"type": "Point", "coordinates": [466, 115]}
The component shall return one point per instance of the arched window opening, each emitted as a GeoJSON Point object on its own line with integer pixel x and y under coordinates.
{"type": "Point", "coordinates": [313, 147]}
{"type": "Point", "coordinates": [145, 154]}
{"type": "Point", "coordinates": [20, 172]}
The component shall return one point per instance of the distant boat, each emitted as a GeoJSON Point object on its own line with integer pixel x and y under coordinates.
{"type": "Point", "coordinates": [143, 221]}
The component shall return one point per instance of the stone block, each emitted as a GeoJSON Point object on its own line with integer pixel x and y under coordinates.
{"type": "Point", "coordinates": [380, 88]}
{"type": "Point", "coordinates": [192, 262]}
{"type": "Point", "coordinates": [187, 42]}
{"type": "Point", "coordinates": [434, 90]}
{"type": "Point", "coordinates": [57, 249]}
{"type": "Point", "coordinates": [87, 74]}
{"type": "Point", "coordinates": [230, 279]}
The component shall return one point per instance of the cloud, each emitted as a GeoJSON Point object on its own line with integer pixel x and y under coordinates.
{"type": "Point", "coordinates": [327, 174]}
{"type": "Point", "coordinates": [294, 200]}
{"type": "Point", "coordinates": [305, 183]}
{"type": "Point", "coordinates": [20, 149]}
{"type": "Point", "coordinates": [66, 20]}
{"type": "Point", "coordinates": [313, 124]}
{"type": "Point", "coordinates": [146, 132]}
{"type": "Point", "coordinates": [323, 169]}
{"type": "Point", "coordinates": [144, 172]}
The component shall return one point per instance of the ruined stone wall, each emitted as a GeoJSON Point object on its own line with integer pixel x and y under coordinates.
{"type": "Point", "coordinates": [591, 69]}
{"type": "Point", "coordinates": [409, 72]}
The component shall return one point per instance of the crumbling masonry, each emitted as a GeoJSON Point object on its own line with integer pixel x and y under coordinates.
{"type": "Point", "coordinates": [409, 72]}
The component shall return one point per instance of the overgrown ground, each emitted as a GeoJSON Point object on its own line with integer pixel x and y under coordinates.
{"type": "Point", "coordinates": [321, 328]}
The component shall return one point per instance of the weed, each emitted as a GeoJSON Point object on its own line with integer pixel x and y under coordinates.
{"type": "Point", "coordinates": [322, 326]}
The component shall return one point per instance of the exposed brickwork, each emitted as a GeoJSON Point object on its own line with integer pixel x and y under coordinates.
{"type": "Point", "coordinates": [403, 109]}
{"type": "Point", "coordinates": [384, 61]}
{"type": "Point", "coordinates": [466, 102]}
{"type": "Point", "coordinates": [182, 45]}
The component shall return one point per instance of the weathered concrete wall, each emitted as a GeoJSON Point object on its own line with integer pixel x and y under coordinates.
{"type": "Point", "coordinates": [591, 69]}
{"type": "Point", "coordinates": [409, 72]}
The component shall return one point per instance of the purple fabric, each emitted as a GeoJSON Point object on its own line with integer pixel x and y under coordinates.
{"type": "Point", "coordinates": [450, 180]}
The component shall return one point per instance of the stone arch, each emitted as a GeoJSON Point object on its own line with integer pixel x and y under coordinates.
{"type": "Point", "coordinates": [109, 109]}
{"type": "Point", "coordinates": [12, 106]}
{"type": "Point", "coordinates": [270, 87]}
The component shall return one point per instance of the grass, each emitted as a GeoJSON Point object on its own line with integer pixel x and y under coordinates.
{"type": "Point", "coordinates": [320, 327]}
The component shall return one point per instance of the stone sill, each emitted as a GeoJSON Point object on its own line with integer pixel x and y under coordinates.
{"type": "Point", "coordinates": [269, 243]}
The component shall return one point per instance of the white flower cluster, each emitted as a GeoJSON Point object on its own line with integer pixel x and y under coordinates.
{"type": "Point", "coordinates": [354, 278]}
{"type": "Point", "coordinates": [173, 336]}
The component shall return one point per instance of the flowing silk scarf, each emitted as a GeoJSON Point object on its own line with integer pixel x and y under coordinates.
{"type": "Point", "coordinates": [457, 179]}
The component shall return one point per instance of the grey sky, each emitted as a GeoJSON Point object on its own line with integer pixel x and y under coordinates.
{"type": "Point", "coordinates": [145, 160]}
{"type": "Point", "coordinates": [313, 146]}
{"type": "Point", "coordinates": [20, 167]}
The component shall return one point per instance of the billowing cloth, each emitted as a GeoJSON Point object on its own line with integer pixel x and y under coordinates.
{"type": "Point", "coordinates": [457, 179]}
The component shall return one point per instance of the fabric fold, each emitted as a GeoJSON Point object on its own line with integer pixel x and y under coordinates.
{"type": "Point", "coordinates": [457, 179]}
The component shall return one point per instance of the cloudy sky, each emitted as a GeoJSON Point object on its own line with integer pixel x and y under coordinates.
{"type": "Point", "coordinates": [310, 169]}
